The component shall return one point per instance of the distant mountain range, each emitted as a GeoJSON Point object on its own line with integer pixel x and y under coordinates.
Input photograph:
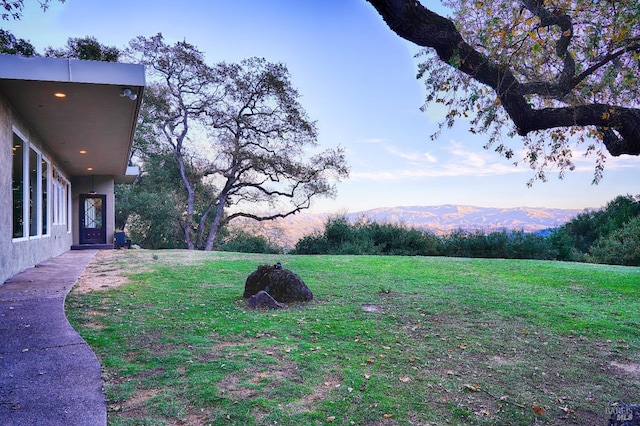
{"type": "Point", "coordinates": [437, 219]}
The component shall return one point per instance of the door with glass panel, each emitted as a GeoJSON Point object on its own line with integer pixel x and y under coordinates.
{"type": "Point", "coordinates": [92, 223]}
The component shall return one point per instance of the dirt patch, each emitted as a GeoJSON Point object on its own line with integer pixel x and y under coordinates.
{"type": "Point", "coordinates": [330, 382]}
{"type": "Point", "coordinates": [367, 307]}
{"type": "Point", "coordinates": [631, 368]}
{"type": "Point", "coordinates": [111, 268]}
{"type": "Point", "coordinates": [231, 388]}
{"type": "Point", "coordinates": [136, 403]}
{"type": "Point", "coordinates": [102, 273]}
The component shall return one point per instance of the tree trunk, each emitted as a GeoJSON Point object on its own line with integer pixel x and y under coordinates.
{"type": "Point", "coordinates": [215, 224]}
{"type": "Point", "coordinates": [187, 222]}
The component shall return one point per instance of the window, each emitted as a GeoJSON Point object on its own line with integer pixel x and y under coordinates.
{"type": "Point", "coordinates": [44, 182]}
{"type": "Point", "coordinates": [30, 190]}
{"type": "Point", "coordinates": [17, 186]}
{"type": "Point", "coordinates": [60, 197]}
{"type": "Point", "coordinates": [33, 192]}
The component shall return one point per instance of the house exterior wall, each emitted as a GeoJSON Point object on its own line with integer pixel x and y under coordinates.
{"type": "Point", "coordinates": [18, 254]}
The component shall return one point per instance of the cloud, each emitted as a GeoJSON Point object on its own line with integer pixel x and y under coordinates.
{"type": "Point", "coordinates": [456, 160]}
{"type": "Point", "coordinates": [373, 141]}
{"type": "Point", "coordinates": [415, 156]}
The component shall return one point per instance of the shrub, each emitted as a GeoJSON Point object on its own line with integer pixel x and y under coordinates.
{"type": "Point", "coordinates": [244, 242]}
{"type": "Point", "coordinates": [620, 247]}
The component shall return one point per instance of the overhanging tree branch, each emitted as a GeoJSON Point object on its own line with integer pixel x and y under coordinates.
{"type": "Point", "coordinates": [620, 126]}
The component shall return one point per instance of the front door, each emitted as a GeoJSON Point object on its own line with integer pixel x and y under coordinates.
{"type": "Point", "coordinates": [92, 223]}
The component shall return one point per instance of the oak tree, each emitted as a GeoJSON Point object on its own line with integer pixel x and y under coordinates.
{"type": "Point", "coordinates": [559, 73]}
{"type": "Point", "coordinates": [85, 48]}
{"type": "Point", "coordinates": [12, 45]}
{"type": "Point", "coordinates": [12, 9]}
{"type": "Point", "coordinates": [240, 131]}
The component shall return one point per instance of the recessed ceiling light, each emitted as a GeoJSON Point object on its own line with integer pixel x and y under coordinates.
{"type": "Point", "coordinates": [82, 151]}
{"type": "Point", "coordinates": [89, 168]}
{"type": "Point", "coordinates": [60, 95]}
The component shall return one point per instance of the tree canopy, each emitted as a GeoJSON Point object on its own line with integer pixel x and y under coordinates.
{"type": "Point", "coordinates": [237, 133]}
{"type": "Point", "coordinates": [85, 48]}
{"type": "Point", "coordinates": [12, 9]}
{"type": "Point", "coordinates": [559, 73]}
{"type": "Point", "coordinates": [12, 45]}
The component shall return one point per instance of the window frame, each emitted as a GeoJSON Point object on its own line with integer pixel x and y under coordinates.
{"type": "Point", "coordinates": [60, 199]}
{"type": "Point", "coordinates": [25, 180]}
{"type": "Point", "coordinates": [37, 188]}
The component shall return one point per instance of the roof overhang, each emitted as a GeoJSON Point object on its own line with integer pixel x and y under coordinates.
{"type": "Point", "coordinates": [89, 130]}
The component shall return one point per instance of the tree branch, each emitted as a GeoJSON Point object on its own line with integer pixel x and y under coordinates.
{"type": "Point", "coordinates": [416, 23]}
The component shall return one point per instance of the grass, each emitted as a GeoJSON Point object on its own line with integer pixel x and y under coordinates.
{"type": "Point", "coordinates": [387, 340]}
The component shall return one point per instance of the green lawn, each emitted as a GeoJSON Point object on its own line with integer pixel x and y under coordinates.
{"type": "Point", "coordinates": [387, 340]}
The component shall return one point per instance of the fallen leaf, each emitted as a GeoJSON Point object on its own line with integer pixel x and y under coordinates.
{"type": "Point", "coordinates": [388, 416]}
{"type": "Point", "coordinates": [367, 376]}
{"type": "Point", "coordinates": [567, 410]}
{"type": "Point", "coordinates": [473, 388]}
{"type": "Point", "coordinates": [451, 373]}
{"type": "Point", "coordinates": [405, 379]}
{"type": "Point", "coordinates": [537, 409]}
{"type": "Point", "coordinates": [330, 419]}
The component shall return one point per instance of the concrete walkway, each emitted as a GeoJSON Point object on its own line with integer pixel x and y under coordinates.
{"type": "Point", "coordinates": [48, 373]}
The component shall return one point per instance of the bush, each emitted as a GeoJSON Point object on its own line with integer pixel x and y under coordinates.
{"type": "Point", "coordinates": [620, 247]}
{"type": "Point", "coordinates": [312, 244]}
{"type": "Point", "coordinates": [365, 237]}
{"type": "Point", "coordinates": [497, 244]}
{"type": "Point", "coordinates": [587, 228]}
{"type": "Point", "coordinates": [244, 242]}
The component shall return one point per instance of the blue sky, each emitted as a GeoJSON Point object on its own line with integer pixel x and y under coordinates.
{"type": "Point", "coordinates": [357, 79]}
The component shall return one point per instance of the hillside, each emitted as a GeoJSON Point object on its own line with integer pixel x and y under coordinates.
{"type": "Point", "coordinates": [437, 219]}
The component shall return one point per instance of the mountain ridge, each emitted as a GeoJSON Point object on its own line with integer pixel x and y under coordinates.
{"type": "Point", "coordinates": [439, 219]}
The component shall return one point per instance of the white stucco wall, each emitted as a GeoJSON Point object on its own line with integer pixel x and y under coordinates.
{"type": "Point", "coordinates": [18, 255]}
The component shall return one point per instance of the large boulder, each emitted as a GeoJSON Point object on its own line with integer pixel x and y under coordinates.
{"type": "Point", "coordinates": [281, 284]}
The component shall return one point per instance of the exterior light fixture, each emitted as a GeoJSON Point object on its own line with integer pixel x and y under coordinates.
{"type": "Point", "coordinates": [129, 94]}
{"type": "Point", "coordinates": [82, 151]}
{"type": "Point", "coordinates": [93, 185]}
{"type": "Point", "coordinates": [60, 95]}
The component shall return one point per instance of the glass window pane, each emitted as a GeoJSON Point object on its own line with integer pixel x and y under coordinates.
{"type": "Point", "coordinates": [45, 193]}
{"type": "Point", "coordinates": [17, 187]}
{"type": "Point", "coordinates": [93, 213]}
{"type": "Point", "coordinates": [33, 192]}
